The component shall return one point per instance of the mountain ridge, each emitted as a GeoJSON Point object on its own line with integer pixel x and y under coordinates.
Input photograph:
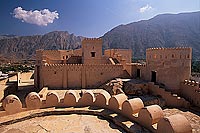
{"type": "Point", "coordinates": [167, 30]}
{"type": "Point", "coordinates": [164, 30]}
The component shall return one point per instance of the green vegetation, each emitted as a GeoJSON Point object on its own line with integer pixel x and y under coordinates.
{"type": "Point", "coordinates": [196, 66]}
{"type": "Point", "coordinates": [138, 60]}
{"type": "Point", "coordinates": [16, 68]}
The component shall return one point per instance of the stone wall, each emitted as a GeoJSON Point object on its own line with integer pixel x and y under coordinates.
{"type": "Point", "coordinates": [150, 117]}
{"type": "Point", "coordinates": [172, 65]}
{"type": "Point", "coordinates": [56, 56]}
{"type": "Point", "coordinates": [92, 51]}
{"type": "Point", "coordinates": [123, 55]}
{"type": "Point", "coordinates": [7, 87]}
{"type": "Point", "coordinates": [77, 75]}
{"type": "Point", "coordinates": [191, 91]}
{"type": "Point", "coordinates": [172, 100]}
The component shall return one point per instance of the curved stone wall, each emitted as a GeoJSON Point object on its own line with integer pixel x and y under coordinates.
{"type": "Point", "coordinates": [151, 117]}
{"type": "Point", "coordinates": [132, 106]}
{"type": "Point", "coordinates": [12, 104]}
{"type": "Point", "coordinates": [71, 98]}
{"type": "Point", "coordinates": [33, 101]}
{"type": "Point", "coordinates": [52, 99]}
{"type": "Point", "coordinates": [102, 99]}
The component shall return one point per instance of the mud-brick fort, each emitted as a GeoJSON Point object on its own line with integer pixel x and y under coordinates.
{"type": "Point", "coordinates": [82, 68]}
{"type": "Point", "coordinates": [107, 84]}
{"type": "Point", "coordinates": [88, 67]}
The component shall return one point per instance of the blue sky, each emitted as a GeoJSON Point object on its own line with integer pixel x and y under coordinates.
{"type": "Point", "coordinates": [89, 18]}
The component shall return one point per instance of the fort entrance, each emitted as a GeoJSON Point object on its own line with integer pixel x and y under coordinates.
{"type": "Point", "coordinates": [153, 76]}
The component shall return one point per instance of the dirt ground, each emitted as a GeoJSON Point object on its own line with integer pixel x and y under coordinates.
{"type": "Point", "coordinates": [62, 124]}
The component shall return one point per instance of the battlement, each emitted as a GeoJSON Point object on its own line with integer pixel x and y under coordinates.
{"type": "Point", "coordinates": [191, 91]}
{"type": "Point", "coordinates": [98, 65]}
{"type": "Point", "coordinates": [169, 53]}
{"type": "Point", "coordinates": [92, 40]}
{"type": "Point", "coordinates": [137, 64]}
{"type": "Point", "coordinates": [150, 117]}
{"type": "Point", "coordinates": [173, 48]}
{"type": "Point", "coordinates": [191, 83]}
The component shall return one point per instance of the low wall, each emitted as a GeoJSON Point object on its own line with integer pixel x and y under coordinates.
{"type": "Point", "coordinates": [25, 76]}
{"type": "Point", "coordinates": [170, 99]}
{"type": "Point", "coordinates": [8, 88]}
{"type": "Point", "coordinates": [191, 91]}
{"type": "Point", "coordinates": [151, 117]}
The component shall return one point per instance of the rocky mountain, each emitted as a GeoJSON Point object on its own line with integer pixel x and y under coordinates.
{"type": "Point", "coordinates": [24, 47]}
{"type": "Point", "coordinates": [167, 30]}
{"type": "Point", "coordinates": [7, 36]}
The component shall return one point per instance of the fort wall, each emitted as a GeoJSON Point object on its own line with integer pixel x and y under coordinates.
{"type": "Point", "coordinates": [136, 70]}
{"type": "Point", "coordinates": [56, 56]}
{"type": "Point", "coordinates": [78, 75]}
{"type": "Point", "coordinates": [171, 65]}
{"type": "Point", "coordinates": [150, 117]}
{"type": "Point", "coordinates": [191, 91]}
{"type": "Point", "coordinates": [24, 76]}
{"type": "Point", "coordinates": [121, 54]}
{"type": "Point", "coordinates": [92, 51]}
{"type": "Point", "coordinates": [171, 100]}
{"type": "Point", "coordinates": [77, 52]}
{"type": "Point", "coordinates": [8, 87]}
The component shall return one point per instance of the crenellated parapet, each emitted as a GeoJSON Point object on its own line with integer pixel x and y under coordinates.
{"type": "Point", "coordinates": [173, 48]}
{"type": "Point", "coordinates": [192, 83]}
{"type": "Point", "coordinates": [168, 53]}
{"type": "Point", "coordinates": [99, 68]}
{"type": "Point", "coordinates": [162, 61]}
{"type": "Point", "coordinates": [86, 65]}
{"type": "Point", "coordinates": [191, 91]}
{"type": "Point", "coordinates": [92, 40]}
{"type": "Point", "coordinates": [151, 117]}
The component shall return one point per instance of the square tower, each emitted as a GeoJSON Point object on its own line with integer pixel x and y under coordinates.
{"type": "Point", "coordinates": [92, 51]}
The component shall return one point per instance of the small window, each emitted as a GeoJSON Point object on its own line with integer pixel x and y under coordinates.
{"type": "Point", "coordinates": [155, 56]}
{"type": "Point", "coordinates": [63, 57]}
{"type": "Point", "coordinates": [55, 72]}
{"type": "Point", "coordinates": [66, 56]}
{"type": "Point", "coordinates": [172, 55]}
{"type": "Point", "coordinates": [188, 56]}
{"type": "Point", "coordinates": [93, 54]}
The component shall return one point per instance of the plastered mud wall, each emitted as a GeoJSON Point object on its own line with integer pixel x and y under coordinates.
{"type": "Point", "coordinates": [191, 91]}
{"type": "Point", "coordinates": [151, 117]}
{"type": "Point", "coordinates": [170, 99]}
{"type": "Point", "coordinates": [77, 75]}
{"type": "Point", "coordinates": [172, 65]}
